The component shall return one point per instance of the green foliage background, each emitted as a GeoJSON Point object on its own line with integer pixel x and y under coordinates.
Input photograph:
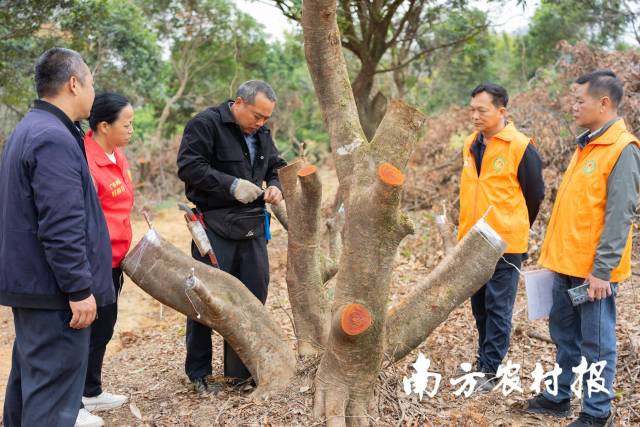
{"type": "Point", "coordinates": [137, 48]}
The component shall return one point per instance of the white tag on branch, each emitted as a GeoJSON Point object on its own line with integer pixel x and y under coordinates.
{"type": "Point", "coordinates": [349, 148]}
{"type": "Point", "coordinates": [135, 411]}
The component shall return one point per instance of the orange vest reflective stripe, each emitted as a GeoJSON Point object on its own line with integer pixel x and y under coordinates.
{"type": "Point", "coordinates": [498, 187]}
{"type": "Point", "coordinates": [578, 216]}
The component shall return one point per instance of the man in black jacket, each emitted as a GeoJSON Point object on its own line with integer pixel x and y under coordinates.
{"type": "Point", "coordinates": [55, 252]}
{"type": "Point", "coordinates": [225, 155]}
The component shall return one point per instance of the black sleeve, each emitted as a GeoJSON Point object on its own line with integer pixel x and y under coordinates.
{"type": "Point", "coordinates": [275, 162]}
{"type": "Point", "coordinates": [531, 181]}
{"type": "Point", "coordinates": [196, 150]}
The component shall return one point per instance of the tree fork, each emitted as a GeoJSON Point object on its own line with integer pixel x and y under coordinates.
{"type": "Point", "coordinates": [218, 300]}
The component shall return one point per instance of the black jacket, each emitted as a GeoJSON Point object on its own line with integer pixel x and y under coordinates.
{"type": "Point", "coordinates": [54, 242]}
{"type": "Point", "coordinates": [213, 152]}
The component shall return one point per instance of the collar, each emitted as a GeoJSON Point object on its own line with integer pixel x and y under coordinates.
{"type": "Point", "coordinates": [478, 139]}
{"type": "Point", "coordinates": [507, 133]}
{"type": "Point", "coordinates": [607, 134]}
{"type": "Point", "coordinates": [97, 153]}
{"type": "Point", "coordinates": [73, 127]}
{"type": "Point", "coordinates": [225, 112]}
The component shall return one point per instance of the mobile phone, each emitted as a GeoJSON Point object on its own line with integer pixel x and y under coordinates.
{"type": "Point", "coordinates": [579, 294]}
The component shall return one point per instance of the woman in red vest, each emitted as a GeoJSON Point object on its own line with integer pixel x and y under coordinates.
{"type": "Point", "coordinates": [111, 122]}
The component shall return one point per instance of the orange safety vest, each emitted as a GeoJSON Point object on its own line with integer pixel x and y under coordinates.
{"type": "Point", "coordinates": [578, 216]}
{"type": "Point", "coordinates": [498, 187]}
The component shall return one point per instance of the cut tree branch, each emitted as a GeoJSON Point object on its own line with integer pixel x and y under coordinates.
{"type": "Point", "coordinates": [219, 301]}
{"type": "Point", "coordinates": [303, 194]}
{"type": "Point", "coordinates": [458, 276]}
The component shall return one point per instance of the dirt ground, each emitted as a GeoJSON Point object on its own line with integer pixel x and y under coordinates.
{"type": "Point", "coordinates": [145, 359]}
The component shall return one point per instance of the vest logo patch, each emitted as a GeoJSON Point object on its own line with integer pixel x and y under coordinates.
{"type": "Point", "coordinates": [589, 167]}
{"type": "Point", "coordinates": [499, 163]}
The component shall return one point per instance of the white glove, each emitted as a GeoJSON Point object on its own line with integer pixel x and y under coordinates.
{"type": "Point", "coordinates": [246, 192]}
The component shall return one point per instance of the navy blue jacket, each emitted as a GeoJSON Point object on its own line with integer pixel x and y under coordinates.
{"type": "Point", "coordinates": [54, 241]}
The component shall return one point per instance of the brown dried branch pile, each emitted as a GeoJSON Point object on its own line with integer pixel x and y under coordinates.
{"type": "Point", "coordinates": [543, 112]}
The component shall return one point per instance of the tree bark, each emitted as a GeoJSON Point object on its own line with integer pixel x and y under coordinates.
{"type": "Point", "coordinates": [371, 110]}
{"type": "Point", "coordinates": [373, 230]}
{"type": "Point", "coordinates": [458, 276]}
{"type": "Point", "coordinates": [328, 70]}
{"type": "Point", "coordinates": [371, 179]}
{"type": "Point", "coordinates": [303, 194]}
{"type": "Point", "coordinates": [218, 300]}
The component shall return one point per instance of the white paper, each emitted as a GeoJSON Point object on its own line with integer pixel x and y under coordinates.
{"type": "Point", "coordinates": [539, 285]}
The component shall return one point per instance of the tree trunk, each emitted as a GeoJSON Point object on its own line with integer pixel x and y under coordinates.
{"type": "Point", "coordinates": [218, 300]}
{"type": "Point", "coordinates": [303, 194]}
{"type": "Point", "coordinates": [373, 230]}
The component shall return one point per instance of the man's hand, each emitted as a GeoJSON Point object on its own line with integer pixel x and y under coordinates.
{"type": "Point", "coordinates": [273, 195]}
{"type": "Point", "coordinates": [84, 312]}
{"type": "Point", "coordinates": [598, 288]}
{"type": "Point", "coordinates": [246, 192]}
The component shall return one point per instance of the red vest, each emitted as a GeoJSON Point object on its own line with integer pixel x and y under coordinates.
{"type": "Point", "coordinates": [115, 191]}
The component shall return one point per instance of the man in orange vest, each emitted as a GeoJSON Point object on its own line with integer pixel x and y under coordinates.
{"type": "Point", "coordinates": [501, 176]}
{"type": "Point", "coordinates": [589, 240]}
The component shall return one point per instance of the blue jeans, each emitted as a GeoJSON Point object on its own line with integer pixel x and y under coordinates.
{"type": "Point", "coordinates": [492, 307]}
{"type": "Point", "coordinates": [587, 330]}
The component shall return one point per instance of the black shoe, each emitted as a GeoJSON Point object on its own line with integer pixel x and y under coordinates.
{"type": "Point", "coordinates": [202, 385]}
{"type": "Point", "coordinates": [488, 382]}
{"type": "Point", "coordinates": [586, 420]}
{"type": "Point", "coordinates": [215, 386]}
{"type": "Point", "coordinates": [542, 405]}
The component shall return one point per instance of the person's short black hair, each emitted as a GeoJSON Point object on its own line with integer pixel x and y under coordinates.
{"type": "Point", "coordinates": [55, 67]}
{"type": "Point", "coordinates": [251, 88]}
{"type": "Point", "coordinates": [603, 83]}
{"type": "Point", "coordinates": [106, 108]}
{"type": "Point", "coordinates": [499, 95]}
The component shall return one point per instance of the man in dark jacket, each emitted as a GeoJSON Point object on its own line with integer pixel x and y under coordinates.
{"type": "Point", "coordinates": [55, 255]}
{"type": "Point", "coordinates": [225, 155]}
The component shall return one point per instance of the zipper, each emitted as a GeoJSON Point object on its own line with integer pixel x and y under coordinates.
{"type": "Point", "coordinates": [475, 198]}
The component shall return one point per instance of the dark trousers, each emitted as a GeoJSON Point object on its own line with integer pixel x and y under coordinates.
{"type": "Point", "coordinates": [101, 333]}
{"type": "Point", "coordinates": [248, 261]}
{"type": "Point", "coordinates": [492, 307]}
{"type": "Point", "coordinates": [48, 368]}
